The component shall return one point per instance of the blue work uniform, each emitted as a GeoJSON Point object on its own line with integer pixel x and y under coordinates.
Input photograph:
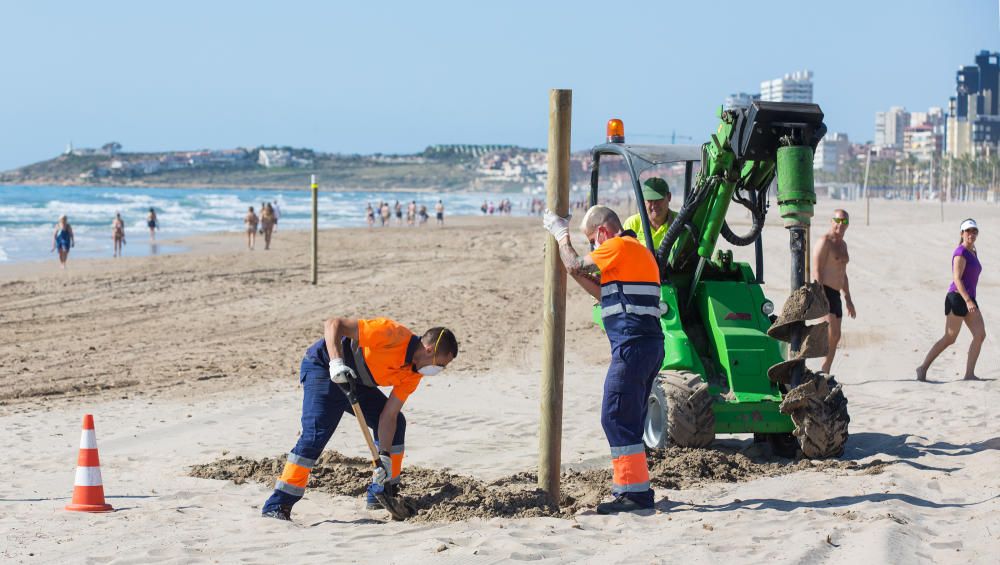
{"type": "Point", "coordinates": [631, 310]}
{"type": "Point", "coordinates": [383, 356]}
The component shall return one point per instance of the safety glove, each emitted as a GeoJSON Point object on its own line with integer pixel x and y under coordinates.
{"type": "Point", "coordinates": [556, 225]}
{"type": "Point", "coordinates": [383, 472]}
{"type": "Point", "coordinates": [341, 374]}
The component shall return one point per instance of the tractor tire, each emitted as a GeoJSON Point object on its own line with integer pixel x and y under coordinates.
{"type": "Point", "coordinates": [679, 412]}
{"type": "Point", "coordinates": [819, 410]}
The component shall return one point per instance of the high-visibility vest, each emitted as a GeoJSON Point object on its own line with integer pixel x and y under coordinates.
{"type": "Point", "coordinates": [630, 289]}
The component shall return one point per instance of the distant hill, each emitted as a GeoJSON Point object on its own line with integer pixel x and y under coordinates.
{"type": "Point", "coordinates": [447, 167]}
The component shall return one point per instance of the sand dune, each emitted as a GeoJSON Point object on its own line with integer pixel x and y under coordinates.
{"type": "Point", "coordinates": [187, 359]}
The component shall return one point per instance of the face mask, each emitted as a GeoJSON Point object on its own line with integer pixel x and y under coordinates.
{"type": "Point", "coordinates": [430, 370]}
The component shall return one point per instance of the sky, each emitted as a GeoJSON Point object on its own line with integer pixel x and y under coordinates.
{"type": "Point", "coordinates": [394, 77]}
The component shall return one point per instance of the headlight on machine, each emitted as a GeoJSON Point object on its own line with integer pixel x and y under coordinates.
{"type": "Point", "coordinates": [767, 308]}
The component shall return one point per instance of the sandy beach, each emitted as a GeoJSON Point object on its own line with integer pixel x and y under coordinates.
{"type": "Point", "coordinates": [191, 358]}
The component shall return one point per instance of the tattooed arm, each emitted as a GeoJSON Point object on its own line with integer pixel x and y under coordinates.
{"type": "Point", "coordinates": [582, 269]}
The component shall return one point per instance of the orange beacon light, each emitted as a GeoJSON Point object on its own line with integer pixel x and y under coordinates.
{"type": "Point", "coordinates": [616, 131]}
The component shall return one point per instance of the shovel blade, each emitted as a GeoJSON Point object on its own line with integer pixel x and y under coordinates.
{"type": "Point", "coordinates": [399, 508]}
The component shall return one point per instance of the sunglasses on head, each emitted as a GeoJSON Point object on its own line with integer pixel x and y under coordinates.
{"type": "Point", "coordinates": [842, 221]}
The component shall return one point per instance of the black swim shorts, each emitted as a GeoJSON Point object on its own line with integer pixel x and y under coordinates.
{"type": "Point", "coordinates": [955, 304]}
{"type": "Point", "coordinates": [833, 297]}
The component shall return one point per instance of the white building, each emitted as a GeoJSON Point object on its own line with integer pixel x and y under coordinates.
{"type": "Point", "coordinates": [889, 127]}
{"type": "Point", "coordinates": [794, 87]}
{"type": "Point", "coordinates": [269, 158]}
{"type": "Point", "coordinates": [832, 150]}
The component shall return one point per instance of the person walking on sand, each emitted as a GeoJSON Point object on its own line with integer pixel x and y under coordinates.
{"type": "Point", "coordinates": [267, 223]}
{"type": "Point", "coordinates": [386, 214]}
{"type": "Point", "coordinates": [251, 221]}
{"type": "Point", "coordinates": [370, 215]}
{"type": "Point", "coordinates": [439, 210]}
{"type": "Point", "coordinates": [361, 355]}
{"type": "Point", "coordinates": [118, 234]}
{"type": "Point", "coordinates": [277, 213]}
{"type": "Point", "coordinates": [411, 213]}
{"type": "Point", "coordinates": [62, 239]}
{"type": "Point", "coordinates": [960, 303]}
{"type": "Point", "coordinates": [628, 288]}
{"type": "Point", "coordinates": [152, 223]}
{"type": "Point", "coordinates": [399, 213]}
{"type": "Point", "coordinates": [829, 268]}
{"type": "Point", "coordinates": [423, 214]}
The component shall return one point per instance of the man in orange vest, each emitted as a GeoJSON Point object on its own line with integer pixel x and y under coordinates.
{"type": "Point", "coordinates": [628, 287]}
{"type": "Point", "coordinates": [364, 355]}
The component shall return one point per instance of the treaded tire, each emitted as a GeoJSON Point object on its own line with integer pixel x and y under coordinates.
{"type": "Point", "coordinates": [679, 412]}
{"type": "Point", "coordinates": [818, 408]}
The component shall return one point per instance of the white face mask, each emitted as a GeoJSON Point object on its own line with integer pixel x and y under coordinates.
{"type": "Point", "coordinates": [430, 370]}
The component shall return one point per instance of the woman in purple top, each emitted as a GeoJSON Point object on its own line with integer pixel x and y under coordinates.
{"type": "Point", "coordinates": [960, 304]}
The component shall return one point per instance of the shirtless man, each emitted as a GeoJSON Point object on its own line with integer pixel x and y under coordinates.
{"type": "Point", "coordinates": [829, 268]}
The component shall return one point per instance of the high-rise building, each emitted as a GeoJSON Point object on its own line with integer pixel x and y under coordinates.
{"type": "Point", "coordinates": [831, 152]}
{"type": "Point", "coordinates": [973, 124]}
{"type": "Point", "coordinates": [794, 87]}
{"type": "Point", "coordinates": [924, 137]}
{"type": "Point", "coordinates": [739, 100]}
{"type": "Point", "coordinates": [889, 127]}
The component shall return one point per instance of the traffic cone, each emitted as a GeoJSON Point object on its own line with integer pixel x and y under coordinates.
{"type": "Point", "coordinates": [88, 490]}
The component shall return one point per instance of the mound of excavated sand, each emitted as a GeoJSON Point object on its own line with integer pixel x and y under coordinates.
{"type": "Point", "coordinates": [443, 496]}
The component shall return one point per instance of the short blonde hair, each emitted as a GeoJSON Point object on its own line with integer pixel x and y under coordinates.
{"type": "Point", "coordinates": [598, 216]}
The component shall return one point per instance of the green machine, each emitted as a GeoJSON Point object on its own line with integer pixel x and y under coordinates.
{"type": "Point", "coordinates": [725, 370]}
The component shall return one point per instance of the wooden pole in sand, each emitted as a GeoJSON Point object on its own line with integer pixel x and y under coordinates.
{"type": "Point", "coordinates": [554, 310]}
{"type": "Point", "coordinates": [315, 231]}
{"type": "Point", "coordinates": [868, 162]}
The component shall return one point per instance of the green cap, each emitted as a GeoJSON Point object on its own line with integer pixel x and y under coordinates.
{"type": "Point", "coordinates": [655, 188]}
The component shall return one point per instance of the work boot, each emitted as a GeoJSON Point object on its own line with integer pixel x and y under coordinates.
{"type": "Point", "coordinates": [371, 503]}
{"type": "Point", "coordinates": [279, 513]}
{"type": "Point", "coordinates": [621, 503]}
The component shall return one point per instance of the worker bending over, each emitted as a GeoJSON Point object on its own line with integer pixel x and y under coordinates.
{"type": "Point", "coordinates": [628, 288]}
{"type": "Point", "coordinates": [364, 354]}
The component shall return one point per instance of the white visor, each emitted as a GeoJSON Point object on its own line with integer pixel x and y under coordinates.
{"type": "Point", "coordinates": [969, 224]}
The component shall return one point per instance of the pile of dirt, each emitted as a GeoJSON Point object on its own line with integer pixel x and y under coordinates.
{"type": "Point", "coordinates": [440, 496]}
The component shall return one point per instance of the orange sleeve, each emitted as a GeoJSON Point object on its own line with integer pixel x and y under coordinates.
{"type": "Point", "coordinates": [604, 255]}
{"type": "Point", "coordinates": [403, 390]}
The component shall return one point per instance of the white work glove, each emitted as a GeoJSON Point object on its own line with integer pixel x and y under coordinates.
{"type": "Point", "coordinates": [556, 225]}
{"type": "Point", "coordinates": [383, 471]}
{"type": "Point", "coordinates": [341, 373]}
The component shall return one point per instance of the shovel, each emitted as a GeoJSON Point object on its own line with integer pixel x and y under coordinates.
{"type": "Point", "coordinates": [397, 507]}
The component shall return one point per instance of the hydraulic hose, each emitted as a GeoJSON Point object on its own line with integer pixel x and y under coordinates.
{"type": "Point", "coordinates": [680, 222]}
{"type": "Point", "coordinates": [757, 214]}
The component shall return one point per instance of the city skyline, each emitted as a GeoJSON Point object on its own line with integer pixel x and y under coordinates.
{"type": "Point", "coordinates": [350, 80]}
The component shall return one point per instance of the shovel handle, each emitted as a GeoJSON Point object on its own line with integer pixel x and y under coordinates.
{"type": "Point", "coordinates": [364, 431]}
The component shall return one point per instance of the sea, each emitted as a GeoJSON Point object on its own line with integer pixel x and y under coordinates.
{"type": "Point", "coordinates": [28, 214]}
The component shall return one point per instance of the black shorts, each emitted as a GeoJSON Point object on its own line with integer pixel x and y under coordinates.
{"type": "Point", "coordinates": [833, 297]}
{"type": "Point", "coordinates": [955, 304]}
{"type": "Point", "coordinates": [440, 215]}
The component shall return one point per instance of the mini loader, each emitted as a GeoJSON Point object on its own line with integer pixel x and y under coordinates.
{"type": "Point", "coordinates": [724, 369]}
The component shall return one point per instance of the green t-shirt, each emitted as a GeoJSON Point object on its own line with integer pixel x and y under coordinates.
{"type": "Point", "coordinates": [634, 223]}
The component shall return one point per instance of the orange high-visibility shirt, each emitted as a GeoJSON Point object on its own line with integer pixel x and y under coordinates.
{"type": "Point", "coordinates": [388, 349]}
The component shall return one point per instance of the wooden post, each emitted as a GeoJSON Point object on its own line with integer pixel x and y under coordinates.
{"type": "Point", "coordinates": [554, 309]}
{"type": "Point", "coordinates": [315, 230]}
{"type": "Point", "coordinates": [868, 162]}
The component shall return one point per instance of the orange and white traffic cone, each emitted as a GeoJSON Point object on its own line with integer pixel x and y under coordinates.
{"type": "Point", "coordinates": [88, 490]}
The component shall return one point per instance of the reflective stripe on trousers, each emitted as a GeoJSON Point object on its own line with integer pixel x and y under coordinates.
{"type": "Point", "coordinates": [631, 474]}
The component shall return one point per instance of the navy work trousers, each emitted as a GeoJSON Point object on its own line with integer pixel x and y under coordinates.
{"type": "Point", "coordinates": [634, 365]}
